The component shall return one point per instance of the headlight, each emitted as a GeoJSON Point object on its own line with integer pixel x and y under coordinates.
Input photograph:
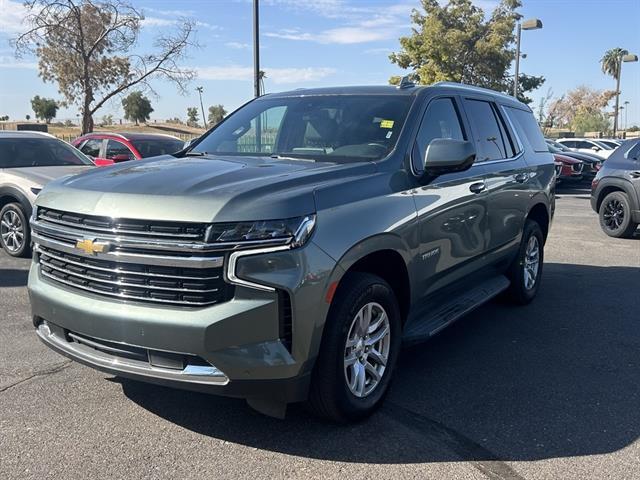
{"type": "Point", "coordinates": [295, 231]}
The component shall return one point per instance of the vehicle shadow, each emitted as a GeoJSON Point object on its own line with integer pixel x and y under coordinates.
{"type": "Point", "coordinates": [13, 278]}
{"type": "Point", "coordinates": [557, 378]}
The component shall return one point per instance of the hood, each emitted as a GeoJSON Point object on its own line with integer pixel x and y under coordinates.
{"type": "Point", "coordinates": [585, 157]}
{"type": "Point", "coordinates": [199, 189]}
{"type": "Point", "coordinates": [43, 175]}
{"type": "Point", "coordinates": [566, 159]}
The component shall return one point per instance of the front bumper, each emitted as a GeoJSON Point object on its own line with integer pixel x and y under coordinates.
{"type": "Point", "coordinates": [240, 337]}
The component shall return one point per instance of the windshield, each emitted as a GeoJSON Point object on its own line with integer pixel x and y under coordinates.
{"type": "Point", "coordinates": [602, 145]}
{"type": "Point", "coordinates": [612, 145]}
{"type": "Point", "coordinates": [334, 128]}
{"type": "Point", "coordinates": [38, 152]}
{"type": "Point", "coordinates": [154, 147]}
{"type": "Point", "coordinates": [557, 146]}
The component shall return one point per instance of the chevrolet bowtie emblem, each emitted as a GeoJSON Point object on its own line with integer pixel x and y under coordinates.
{"type": "Point", "coordinates": [91, 248]}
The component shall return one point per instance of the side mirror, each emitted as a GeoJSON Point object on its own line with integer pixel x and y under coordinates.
{"type": "Point", "coordinates": [121, 158]}
{"type": "Point", "coordinates": [445, 155]}
{"type": "Point", "coordinates": [595, 149]}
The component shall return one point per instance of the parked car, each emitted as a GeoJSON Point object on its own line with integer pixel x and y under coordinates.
{"type": "Point", "coordinates": [615, 192]}
{"type": "Point", "coordinates": [291, 266]}
{"type": "Point", "coordinates": [587, 145]}
{"type": "Point", "coordinates": [571, 168]}
{"type": "Point", "coordinates": [613, 143]}
{"type": "Point", "coordinates": [590, 163]}
{"type": "Point", "coordinates": [28, 160]}
{"type": "Point", "coordinates": [110, 148]}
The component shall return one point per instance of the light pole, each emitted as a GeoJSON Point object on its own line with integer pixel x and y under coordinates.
{"type": "Point", "coordinates": [204, 119]}
{"type": "Point", "coordinates": [626, 109]}
{"type": "Point", "coordinates": [256, 48]}
{"type": "Point", "coordinates": [531, 24]}
{"type": "Point", "coordinates": [623, 58]}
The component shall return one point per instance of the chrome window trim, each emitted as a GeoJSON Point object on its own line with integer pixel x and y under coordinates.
{"type": "Point", "coordinates": [233, 260]}
{"type": "Point", "coordinates": [505, 114]}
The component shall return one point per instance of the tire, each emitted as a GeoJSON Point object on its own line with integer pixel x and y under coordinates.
{"type": "Point", "coordinates": [615, 216]}
{"type": "Point", "coordinates": [15, 235]}
{"type": "Point", "coordinates": [330, 395]}
{"type": "Point", "coordinates": [524, 288]}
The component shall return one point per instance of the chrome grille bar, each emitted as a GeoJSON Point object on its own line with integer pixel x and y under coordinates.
{"type": "Point", "coordinates": [120, 270]}
{"type": "Point", "coordinates": [119, 283]}
{"type": "Point", "coordinates": [122, 295]}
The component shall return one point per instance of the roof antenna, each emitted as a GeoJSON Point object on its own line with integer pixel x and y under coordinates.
{"type": "Point", "coordinates": [405, 82]}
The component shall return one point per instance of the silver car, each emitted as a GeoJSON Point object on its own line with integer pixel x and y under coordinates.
{"type": "Point", "coordinates": [28, 161]}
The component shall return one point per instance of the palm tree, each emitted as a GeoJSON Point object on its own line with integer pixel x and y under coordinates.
{"type": "Point", "coordinates": [610, 62]}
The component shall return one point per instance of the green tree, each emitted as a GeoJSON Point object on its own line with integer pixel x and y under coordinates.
{"type": "Point", "coordinates": [44, 108]}
{"type": "Point", "coordinates": [84, 46]}
{"type": "Point", "coordinates": [457, 42]}
{"type": "Point", "coordinates": [192, 116]}
{"type": "Point", "coordinates": [216, 114]}
{"type": "Point", "coordinates": [137, 107]}
{"type": "Point", "coordinates": [586, 121]}
{"type": "Point", "coordinates": [4, 118]}
{"type": "Point", "coordinates": [27, 117]}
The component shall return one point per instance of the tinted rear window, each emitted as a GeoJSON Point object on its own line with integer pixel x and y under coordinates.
{"type": "Point", "coordinates": [528, 128]}
{"type": "Point", "coordinates": [153, 147]}
{"type": "Point", "coordinates": [38, 152]}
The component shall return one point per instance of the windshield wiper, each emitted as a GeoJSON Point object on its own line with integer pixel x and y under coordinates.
{"type": "Point", "coordinates": [195, 154]}
{"type": "Point", "coordinates": [284, 157]}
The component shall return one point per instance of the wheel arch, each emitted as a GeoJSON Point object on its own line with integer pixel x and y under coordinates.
{"type": "Point", "coordinates": [384, 255]}
{"type": "Point", "coordinates": [611, 185]}
{"type": "Point", "coordinates": [540, 214]}
{"type": "Point", "coordinates": [9, 194]}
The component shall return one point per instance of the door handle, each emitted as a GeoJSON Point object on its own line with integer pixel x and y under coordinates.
{"type": "Point", "coordinates": [634, 174]}
{"type": "Point", "coordinates": [477, 187]}
{"type": "Point", "coordinates": [521, 177]}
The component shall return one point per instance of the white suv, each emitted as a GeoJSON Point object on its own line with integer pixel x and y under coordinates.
{"type": "Point", "coordinates": [587, 145]}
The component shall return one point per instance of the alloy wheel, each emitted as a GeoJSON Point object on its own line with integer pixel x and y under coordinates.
{"type": "Point", "coordinates": [367, 349]}
{"type": "Point", "coordinates": [12, 231]}
{"type": "Point", "coordinates": [531, 262]}
{"type": "Point", "coordinates": [613, 214]}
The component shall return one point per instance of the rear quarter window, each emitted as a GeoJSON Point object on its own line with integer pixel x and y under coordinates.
{"type": "Point", "coordinates": [528, 128]}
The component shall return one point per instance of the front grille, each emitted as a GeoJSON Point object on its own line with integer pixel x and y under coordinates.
{"type": "Point", "coordinates": [131, 228]}
{"type": "Point", "coordinates": [131, 281]}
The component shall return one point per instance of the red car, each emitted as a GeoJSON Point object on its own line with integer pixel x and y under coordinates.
{"type": "Point", "coordinates": [569, 168]}
{"type": "Point", "coordinates": [110, 148]}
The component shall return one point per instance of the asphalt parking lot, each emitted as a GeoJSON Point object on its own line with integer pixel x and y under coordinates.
{"type": "Point", "coordinates": [546, 391]}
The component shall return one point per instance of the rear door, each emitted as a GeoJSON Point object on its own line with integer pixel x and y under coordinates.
{"type": "Point", "coordinates": [451, 208]}
{"type": "Point", "coordinates": [507, 174]}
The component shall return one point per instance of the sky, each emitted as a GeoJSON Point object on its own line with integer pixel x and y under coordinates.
{"type": "Point", "coordinates": [307, 43]}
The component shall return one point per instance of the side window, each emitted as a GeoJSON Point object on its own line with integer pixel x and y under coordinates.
{"type": "Point", "coordinates": [569, 144]}
{"type": "Point", "coordinates": [492, 144]}
{"type": "Point", "coordinates": [528, 129]}
{"type": "Point", "coordinates": [115, 148]}
{"type": "Point", "coordinates": [258, 136]}
{"type": "Point", "coordinates": [584, 144]}
{"type": "Point", "coordinates": [441, 120]}
{"type": "Point", "coordinates": [92, 148]}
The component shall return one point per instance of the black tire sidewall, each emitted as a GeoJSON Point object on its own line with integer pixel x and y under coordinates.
{"type": "Point", "coordinates": [518, 292]}
{"type": "Point", "coordinates": [627, 227]}
{"type": "Point", "coordinates": [25, 250]}
{"type": "Point", "coordinates": [356, 290]}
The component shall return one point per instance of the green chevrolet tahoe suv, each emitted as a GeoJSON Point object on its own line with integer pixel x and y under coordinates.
{"type": "Point", "coordinates": [289, 252]}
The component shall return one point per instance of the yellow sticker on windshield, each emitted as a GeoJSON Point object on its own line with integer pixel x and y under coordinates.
{"type": "Point", "coordinates": [386, 124]}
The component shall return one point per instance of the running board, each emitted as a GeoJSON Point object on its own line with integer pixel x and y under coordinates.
{"type": "Point", "coordinates": [425, 326]}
